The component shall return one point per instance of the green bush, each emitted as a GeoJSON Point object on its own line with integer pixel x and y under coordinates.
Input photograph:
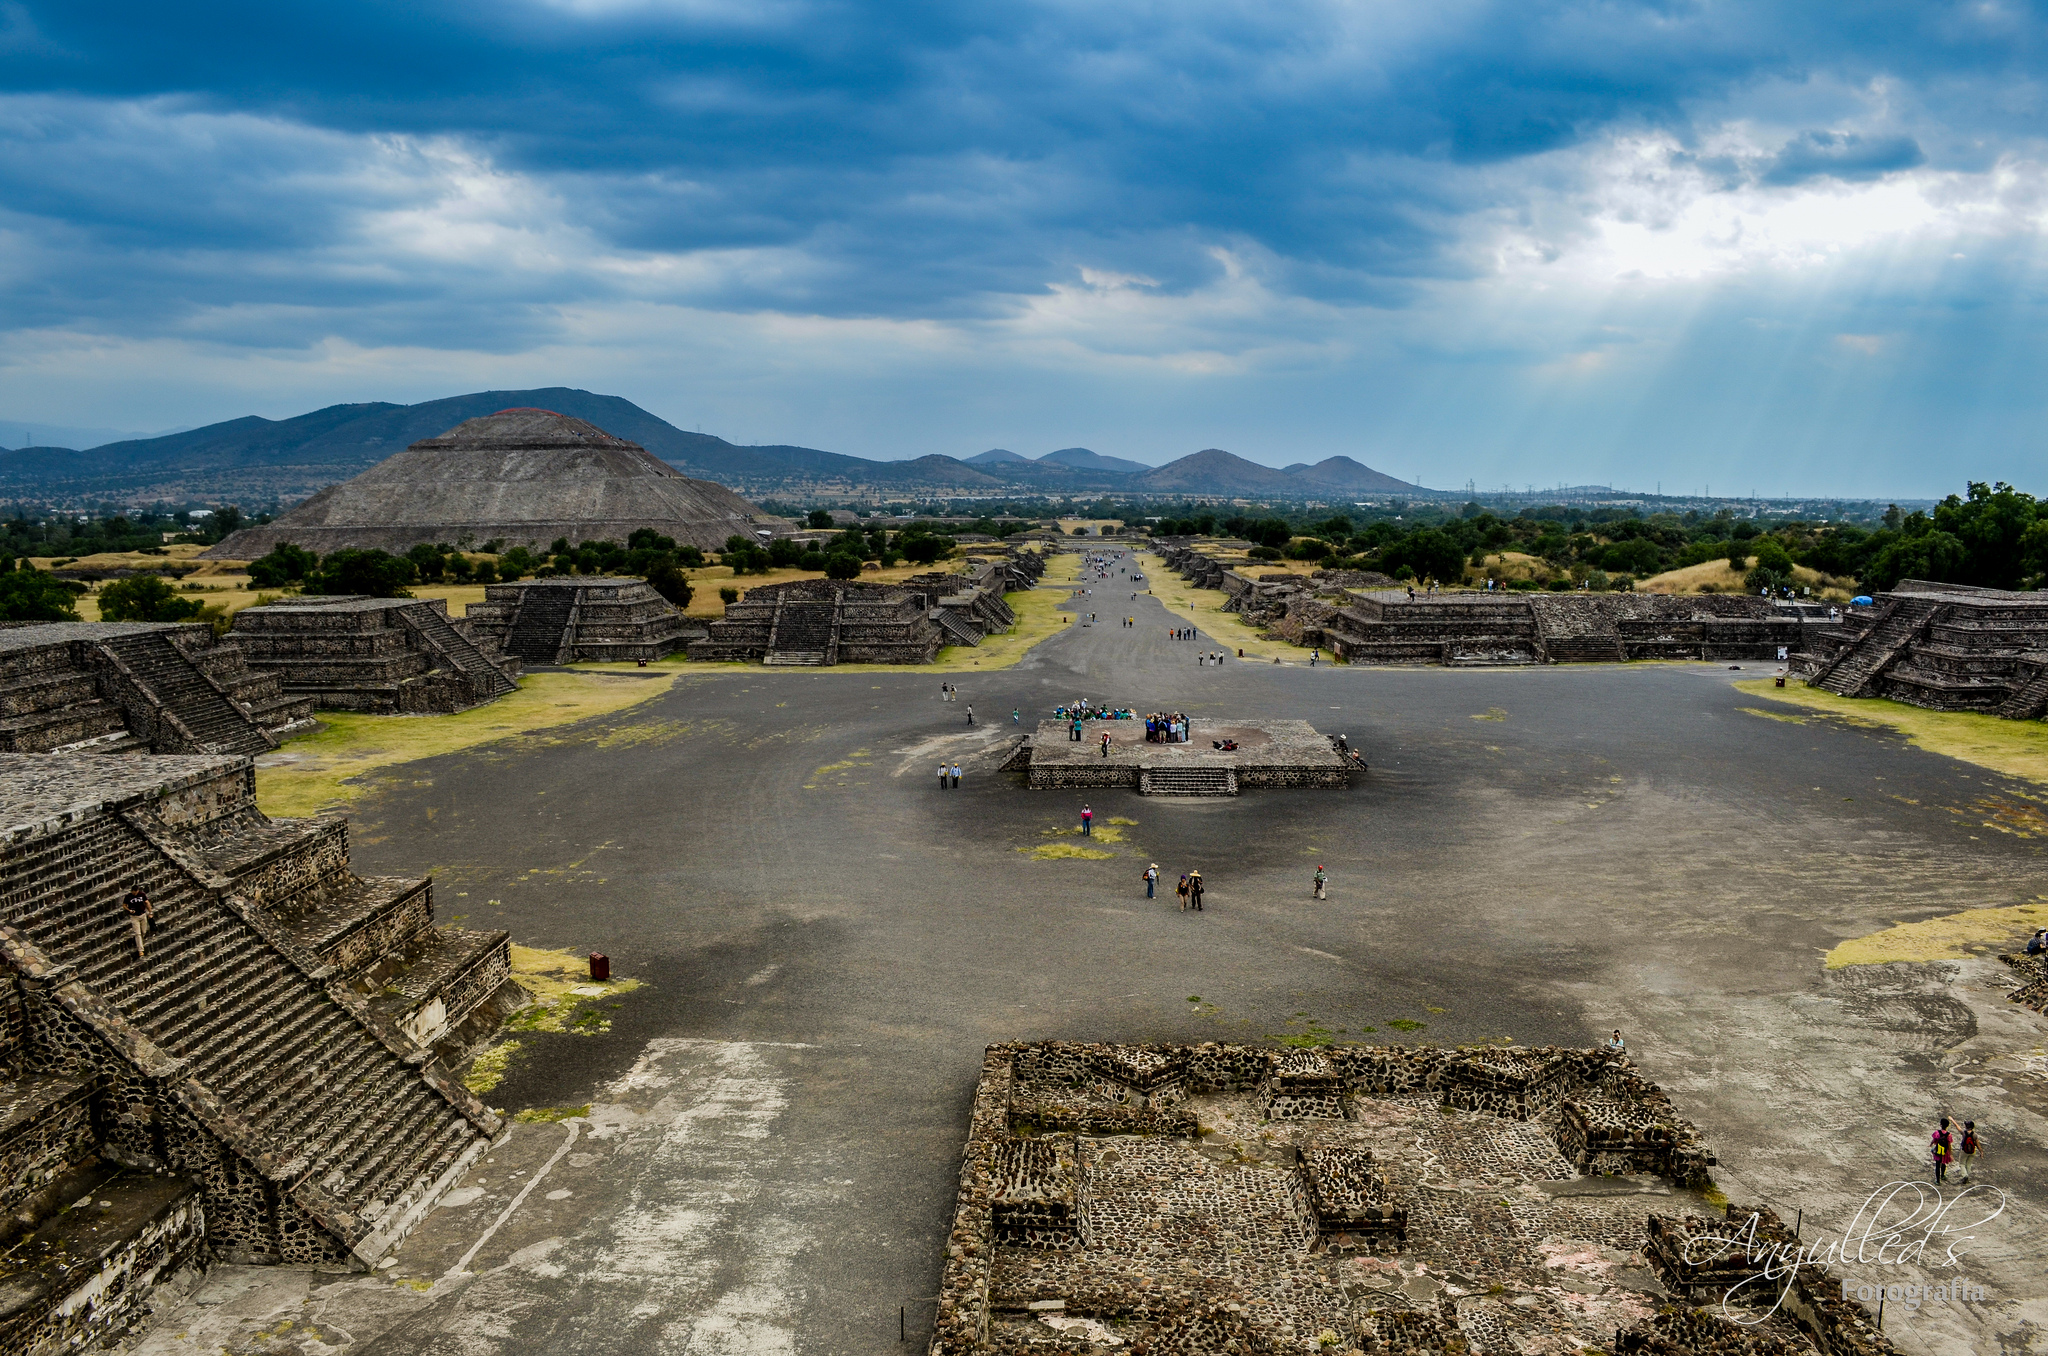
{"type": "Point", "coordinates": [843, 566]}
{"type": "Point", "coordinates": [285, 564]}
{"type": "Point", "coordinates": [486, 572]}
{"type": "Point", "coordinates": [375, 574]}
{"type": "Point", "coordinates": [925, 550]}
{"type": "Point", "coordinates": [820, 518]}
{"type": "Point", "coordinates": [30, 595]}
{"type": "Point", "coordinates": [1263, 553]}
{"type": "Point", "coordinates": [811, 560]}
{"type": "Point", "coordinates": [145, 598]}
{"type": "Point", "coordinates": [728, 595]}
{"type": "Point", "coordinates": [671, 583]}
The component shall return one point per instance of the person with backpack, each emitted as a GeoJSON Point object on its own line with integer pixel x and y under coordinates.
{"type": "Point", "coordinates": [942, 774]}
{"type": "Point", "coordinates": [1195, 890]}
{"type": "Point", "coordinates": [1970, 1145]}
{"type": "Point", "coordinates": [1322, 880]}
{"type": "Point", "coordinates": [1942, 1145]}
{"type": "Point", "coordinates": [1151, 880]}
{"type": "Point", "coordinates": [1182, 890]}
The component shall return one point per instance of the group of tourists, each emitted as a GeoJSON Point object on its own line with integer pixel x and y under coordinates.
{"type": "Point", "coordinates": [1947, 1145]}
{"type": "Point", "coordinates": [1180, 633]}
{"type": "Point", "coordinates": [1084, 709]}
{"type": "Point", "coordinates": [949, 779]}
{"type": "Point", "coordinates": [1166, 727]}
{"type": "Point", "coordinates": [1208, 657]}
{"type": "Point", "coordinates": [1189, 890]}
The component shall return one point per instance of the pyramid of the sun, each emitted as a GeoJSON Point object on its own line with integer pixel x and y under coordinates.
{"type": "Point", "coordinates": [524, 477]}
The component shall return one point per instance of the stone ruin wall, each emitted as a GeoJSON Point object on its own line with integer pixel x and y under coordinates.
{"type": "Point", "coordinates": [1028, 1197]}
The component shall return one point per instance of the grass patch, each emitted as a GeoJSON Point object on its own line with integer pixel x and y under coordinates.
{"type": "Point", "coordinates": [1119, 819]}
{"type": "Point", "coordinates": [564, 995]}
{"type": "Point", "coordinates": [329, 767]}
{"type": "Point", "coordinates": [2017, 748]}
{"type": "Point", "coordinates": [1786, 717]}
{"type": "Point", "coordinates": [1053, 852]}
{"type": "Point", "coordinates": [487, 1070]}
{"type": "Point", "coordinates": [549, 1115]}
{"type": "Point", "coordinates": [1491, 713]}
{"type": "Point", "coordinates": [1955, 936]}
{"type": "Point", "coordinates": [1407, 1024]}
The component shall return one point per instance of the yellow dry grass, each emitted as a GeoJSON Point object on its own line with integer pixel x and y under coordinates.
{"type": "Point", "coordinates": [334, 765]}
{"type": "Point", "coordinates": [1727, 579]}
{"type": "Point", "coordinates": [1955, 936]}
{"type": "Point", "coordinates": [2017, 748]}
{"type": "Point", "coordinates": [1050, 852]}
{"type": "Point", "coordinates": [1204, 608]}
{"type": "Point", "coordinates": [565, 1000]}
{"type": "Point", "coordinates": [1507, 565]}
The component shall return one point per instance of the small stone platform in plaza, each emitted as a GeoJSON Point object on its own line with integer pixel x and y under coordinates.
{"type": "Point", "coordinates": [1269, 753]}
{"type": "Point", "coordinates": [1188, 1200]}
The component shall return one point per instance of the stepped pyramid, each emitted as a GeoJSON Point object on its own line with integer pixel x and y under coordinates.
{"type": "Point", "coordinates": [524, 477]}
{"type": "Point", "coordinates": [272, 1084]}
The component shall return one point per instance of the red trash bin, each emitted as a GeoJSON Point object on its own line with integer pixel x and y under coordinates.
{"type": "Point", "coordinates": [600, 966]}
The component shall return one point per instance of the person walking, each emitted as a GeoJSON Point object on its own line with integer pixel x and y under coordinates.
{"type": "Point", "coordinates": [1016, 716]}
{"type": "Point", "coordinates": [1151, 880]}
{"type": "Point", "coordinates": [1941, 1144]}
{"type": "Point", "coordinates": [1322, 879]}
{"type": "Point", "coordinates": [140, 914]}
{"type": "Point", "coordinates": [1195, 890]}
{"type": "Point", "coordinates": [956, 776]}
{"type": "Point", "coordinates": [1087, 822]}
{"type": "Point", "coordinates": [1182, 890]}
{"type": "Point", "coordinates": [942, 774]}
{"type": "Point", "coordinates": [1969, 1146]}
{"type": "Point", "coordinates": [1105, 743]}
{"type": "Point", "coordinates": [970, 713]}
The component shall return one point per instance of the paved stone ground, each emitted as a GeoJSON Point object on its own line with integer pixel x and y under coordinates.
{"type": "Point", "coordinates": [828, 942]}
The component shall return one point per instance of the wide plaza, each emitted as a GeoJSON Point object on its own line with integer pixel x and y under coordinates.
{"type": "Point", "coordinates": [757, 1150]}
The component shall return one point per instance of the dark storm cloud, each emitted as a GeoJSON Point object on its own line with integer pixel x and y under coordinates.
{"type": "Point", "coordinates": [925, 159]}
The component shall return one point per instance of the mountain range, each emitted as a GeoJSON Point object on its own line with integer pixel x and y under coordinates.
{"type": "Point", "coordinates": [260, 462]}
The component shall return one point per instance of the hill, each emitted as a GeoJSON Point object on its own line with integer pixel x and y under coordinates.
{"type": "Point", "coordinates": [1082, 459]}
{"type": "Point", "coordinates": [261, 463]}
{"type": "Point", "coordinates": [1214, 471]}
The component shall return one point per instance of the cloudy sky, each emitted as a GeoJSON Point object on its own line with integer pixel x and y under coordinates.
{"type": "Point", "coordinates": [1789, 248]}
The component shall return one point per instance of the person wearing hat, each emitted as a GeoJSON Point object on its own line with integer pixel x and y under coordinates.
{"type": "Point", "coordinates": [1322, 879]}
{"type": "Point", "coordinates": [1195, 891]}
{"type": "Point", "coordinates": [1151, 880]}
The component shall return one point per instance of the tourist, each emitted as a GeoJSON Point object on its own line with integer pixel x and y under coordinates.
{"type": "Point", "coordinates": [1969, 1146]}
{"type": "Point", "coordinates": [970, 713]}
{"type": "Point", "coordinates": [1087, 822]}
{"type": "Point", "coordinates": [1322, 879]}
{"type": "Point", "coordinates": [1105, 743]}
{"type": "Point", "coordinates": [1195, 891]}
{"type": "Point", "coordinates": [1942, 1145]}
{"type": "Point", "coordinates": [1151, 880]}
{"type": "Point", "coordinates": [2038, 943]}
{"type": "Point", "coordinates": [140, 912]}
{"type": "Point", "coordinates": [1182, 890]}
{"type": "Point", "coordinates": [1615, 1044]}
{"type": "Point", "coordinates": [942, 774]}
{"type": "Point", "coordinates": [956, 776]}
{"type": "Point", "coordinates": [1016, 716]}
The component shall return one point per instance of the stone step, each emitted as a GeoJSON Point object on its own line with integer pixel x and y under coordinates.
{"type": "Point", "coordinates": [1187, 781]}
{"type": "Point", "coordinates": [810, 658]}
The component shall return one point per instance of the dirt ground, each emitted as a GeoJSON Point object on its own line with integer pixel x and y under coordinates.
{"type": "Point", "coordinates": [758, 1150]}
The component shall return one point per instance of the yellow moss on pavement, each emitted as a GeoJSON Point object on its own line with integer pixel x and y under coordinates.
{"type": "Point", "coordinates": [331, 766]}
{"type": "Point", "coordinates": [2017, 748]}
{"type": "Point", "coordinates": [1050, 852]}
{"type": "Point", "coordinates": [1955, 936]}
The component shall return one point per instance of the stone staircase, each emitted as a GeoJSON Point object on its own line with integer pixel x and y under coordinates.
{"type": "Point", "coordinates": [1187, 781]}
{"type": "Point", "coordinates": [236, 1026]}
{"type": "Point", "coordinates": [1856, 667]}
{"type": "Point", "coordinates": [2028, 701]}
{"type": "Point", "coordinates": [802, 633]}
{"type": "Point", "coordinates": [458, 652]}
{"type": "Point", "coordinates": [958, 630]}
{"type": "Point", "coordinates": [214, 724]}
{"type": "Point", "coordinates": [543, 619]}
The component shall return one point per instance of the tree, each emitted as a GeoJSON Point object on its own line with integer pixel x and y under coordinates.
{"type": "Point", "coordinates": [923, 550]}
{"type": "Point", "coordinates": [843, 565]}
{"type": "Point", "coordinates": [145, 598]}
{"type": "Point", "coordinates": [820, 519]}
{"type": "Point", "coordinates": [1771, 555]}
{"type": "Point", "coordinates": [671, 583]}
{"type": "Point", "coordinates": [286, 564]}
{"type": "Point", "coordinates": [1428, 554]}
{"type": "Point", "coordinates": [376, 574]}
{"type": "Point", "coordinates": [28, 595]}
